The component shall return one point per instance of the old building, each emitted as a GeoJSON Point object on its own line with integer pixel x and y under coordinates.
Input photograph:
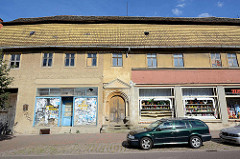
{"type": "Point", "coordinates": [81, 74]}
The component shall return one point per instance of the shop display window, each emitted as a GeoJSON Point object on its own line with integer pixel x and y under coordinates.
{"type": "Point", "coordinates": [156, 103]}
{"type": "Point", "coordinates": [158, 108]}
{"type": "Point", "coordinates": [47, 111]}
{"type": "Point", "coordinates": [200, 103]}
{"type": "Point", "coordinates": [202, 108]}
{"type": "Point", "coordinates": [233, 108]}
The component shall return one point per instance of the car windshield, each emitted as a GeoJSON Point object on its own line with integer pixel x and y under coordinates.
{"type": "Point", "coordinates": [154, 125]}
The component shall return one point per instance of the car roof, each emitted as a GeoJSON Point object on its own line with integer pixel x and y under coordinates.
{"type": "Point", "coordinates": [175, 119]}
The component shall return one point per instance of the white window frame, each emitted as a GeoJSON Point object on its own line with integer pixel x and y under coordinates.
{"type": "Point", "coordinates": [177, 58]}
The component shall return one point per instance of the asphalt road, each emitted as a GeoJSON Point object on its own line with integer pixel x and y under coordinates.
{"type": "Point", "coordinates": [142, 155]}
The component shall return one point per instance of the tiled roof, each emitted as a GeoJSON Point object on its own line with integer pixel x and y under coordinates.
{"type": "Point", "coordinates": [111, 34]}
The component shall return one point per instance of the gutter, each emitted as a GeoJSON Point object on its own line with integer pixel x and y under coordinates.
{"type": "Point", "coordinates": [128, 48]}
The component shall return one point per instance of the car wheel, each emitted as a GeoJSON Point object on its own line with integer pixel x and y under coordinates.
{"type": "Point", "coordinates": [146, 143]}
{"type": "Point", "coordinates": [195, 142]}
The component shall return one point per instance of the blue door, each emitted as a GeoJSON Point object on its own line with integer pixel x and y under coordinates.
{"type": "Point", "coordinates": [67, 111]}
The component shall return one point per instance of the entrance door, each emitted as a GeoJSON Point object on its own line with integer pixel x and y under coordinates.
{"type": "Point", "coordinates": [67, 111]}
{"type": "Point", "coordinates": [117, 109]}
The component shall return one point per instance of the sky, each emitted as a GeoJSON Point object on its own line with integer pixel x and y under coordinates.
{"type": "Point", "coordinates": [14, 9]}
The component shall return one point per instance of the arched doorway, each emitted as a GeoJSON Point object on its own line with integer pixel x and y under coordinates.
{"type": "Point", "coordinates": [117, 109]}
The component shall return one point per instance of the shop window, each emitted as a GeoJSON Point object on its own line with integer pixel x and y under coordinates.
{"type": "Point", "coordinates": [15, 61]}
{"type": "Point", "coordinates": [47, 59]}
{"type": "Point", "coordinates": [84, 91]}
{"type": "Point", "coordinates": [233, 108]}
{"type": "Point", "coordinates": [92, 60]}
{"type": "Point", "coordinates": [85, 111]}
{"type": "Point", "coordinates": [156, 103]}
{"type": "Point", "coordinates": [200, 103]}
{"type": "Point", "coordinates": [233, 102]}
{"type": "Point", "coordinates": [155, 92]}
{"type": "Point", "coordinates": [117, 59]}
{"type": "Point", "coordinates": [232, 60]}
{"type": "Point", "coordinates": [152, 60]}
{"type": "Point", "coordinates": [216, 60]}
{"type": "Point", "coordinates": [69, 59]}
{"type": "Point", "coordinates": [178, 60]}
{"type": "Point", "coordinates": [47, 111]}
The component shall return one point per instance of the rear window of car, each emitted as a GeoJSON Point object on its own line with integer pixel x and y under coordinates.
{"type": "Point", "coordinates": [197, 124]}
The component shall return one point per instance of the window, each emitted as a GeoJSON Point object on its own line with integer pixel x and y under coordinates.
{"type": "Point", "coordinates": [178, 60]}
{"type": "Point", "coordinates": [197, 124]}
{"type": "Point", "coordinates": [181, 125]}
{"type": "Point", "coordinates": [15, 61]}
{"type": "Point", "coordinates": [117, 59]}
{"type": "Point", "coordinates": [47, 59]}
{"type": "Point", "coordinates": [232, 60]}
{"type": "Point", "coordinates": [152, 60]}
{"type": "Point", "coordinates": [92, 59]}
{"type": "Point", "coordinates": [69, 59]}
{"type": "Point", "coordinates": [216, 60]}
{"type": "Point", "coordinates": [166, 126]}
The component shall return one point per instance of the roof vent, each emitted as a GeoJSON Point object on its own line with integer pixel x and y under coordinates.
{"type": "Point", "coordinates": [31, 33]}
{"type": "Point", "coordinates": [146, 32]}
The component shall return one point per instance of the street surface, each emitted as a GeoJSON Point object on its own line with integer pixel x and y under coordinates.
{"type": "Point", "coordinates": [106, 145]}
{"type": "Point", "coordinates": [142, 155]}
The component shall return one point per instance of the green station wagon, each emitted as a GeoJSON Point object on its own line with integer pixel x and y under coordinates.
{"type": "Point", "coordinates": [171, 131]}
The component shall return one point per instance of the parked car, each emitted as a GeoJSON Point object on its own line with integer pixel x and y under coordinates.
{"type": "Point", "coordinates": [231, 135]}
{"type": "Point", "coordinates": [171, 131]}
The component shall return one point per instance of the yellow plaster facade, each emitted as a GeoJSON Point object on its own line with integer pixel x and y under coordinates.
{"type": "Point", "coordinates": [110, 80]}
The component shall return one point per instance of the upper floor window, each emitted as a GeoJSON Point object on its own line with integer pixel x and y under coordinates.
{"type": "Point", "coordinates": [152, 60]}
{"type": "Point", "coordinates": [15, 61]}
{"type": "Point", "coordinates": [117, 59]}
{"type": "Point", "coordinates": [69, 59]}
{"type": "Point", "coordinates": [92, 59]}
{"type": "Point", "coordinates": [216, 60]}
{"type": "Point", "coordinates": [178, 60]}
{"type": "Point", "coordinates": [232, 60]}
{"type": "Point", "coordinates": [47, 59]}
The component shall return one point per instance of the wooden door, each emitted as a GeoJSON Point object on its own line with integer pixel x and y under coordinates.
{"type": "Point", "coordinates": [117, 109]}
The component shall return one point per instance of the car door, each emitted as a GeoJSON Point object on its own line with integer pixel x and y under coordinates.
{"type": "Point", "coordinates": [181, 131]}
{"type": "Point", "coordinates": [163, 133]}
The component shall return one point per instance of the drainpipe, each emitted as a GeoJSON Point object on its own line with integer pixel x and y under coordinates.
{"type": "Point", "coordinates": [1, 23]}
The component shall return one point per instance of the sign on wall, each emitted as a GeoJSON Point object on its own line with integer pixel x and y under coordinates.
{"type": "Point", "coordinates": [85, 111]}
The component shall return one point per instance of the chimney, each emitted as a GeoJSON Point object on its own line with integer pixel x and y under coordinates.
{"type": "Point", "coordinates": [1, 23]}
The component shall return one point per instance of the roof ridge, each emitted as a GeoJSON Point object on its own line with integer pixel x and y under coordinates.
{"type": "Point", "coordinates": [123, 19]}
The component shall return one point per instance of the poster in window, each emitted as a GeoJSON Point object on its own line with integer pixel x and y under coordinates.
{"type": "Point", "coordinates": [85, 111]}
{"type": "Point", "coordinates": [46, 112]}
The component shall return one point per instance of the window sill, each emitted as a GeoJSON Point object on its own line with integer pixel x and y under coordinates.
{"type": "Point", "coordinates": [234, 120]}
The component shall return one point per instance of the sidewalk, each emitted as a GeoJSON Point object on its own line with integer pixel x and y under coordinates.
{"type": "Point", "coordinates": [87, 143]}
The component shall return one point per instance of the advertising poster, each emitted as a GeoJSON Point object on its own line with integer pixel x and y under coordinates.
{"type": "Point", "coordinates": [46, 112]}
{"type": "Point", "coordinates": [85, 111]}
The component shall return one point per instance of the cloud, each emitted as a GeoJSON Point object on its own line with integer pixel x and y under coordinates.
{"type": "Point", "coordinates": [205, 15]}
{"type": "Point", "coordinates": [182, 5]}
{"type": "Point", "coordinates": [176, 11]}
{"type": "Point", "coordinates": [220, 4]}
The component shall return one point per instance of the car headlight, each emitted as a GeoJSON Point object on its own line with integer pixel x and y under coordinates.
{"type": "Point", "coordinates": [131, 137]}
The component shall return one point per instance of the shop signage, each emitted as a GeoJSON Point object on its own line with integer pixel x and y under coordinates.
{"type": "Point", "coordinates": [235, 91]}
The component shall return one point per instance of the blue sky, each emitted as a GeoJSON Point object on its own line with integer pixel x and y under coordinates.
{"type": "Point", "coordinates": [13, 9]}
